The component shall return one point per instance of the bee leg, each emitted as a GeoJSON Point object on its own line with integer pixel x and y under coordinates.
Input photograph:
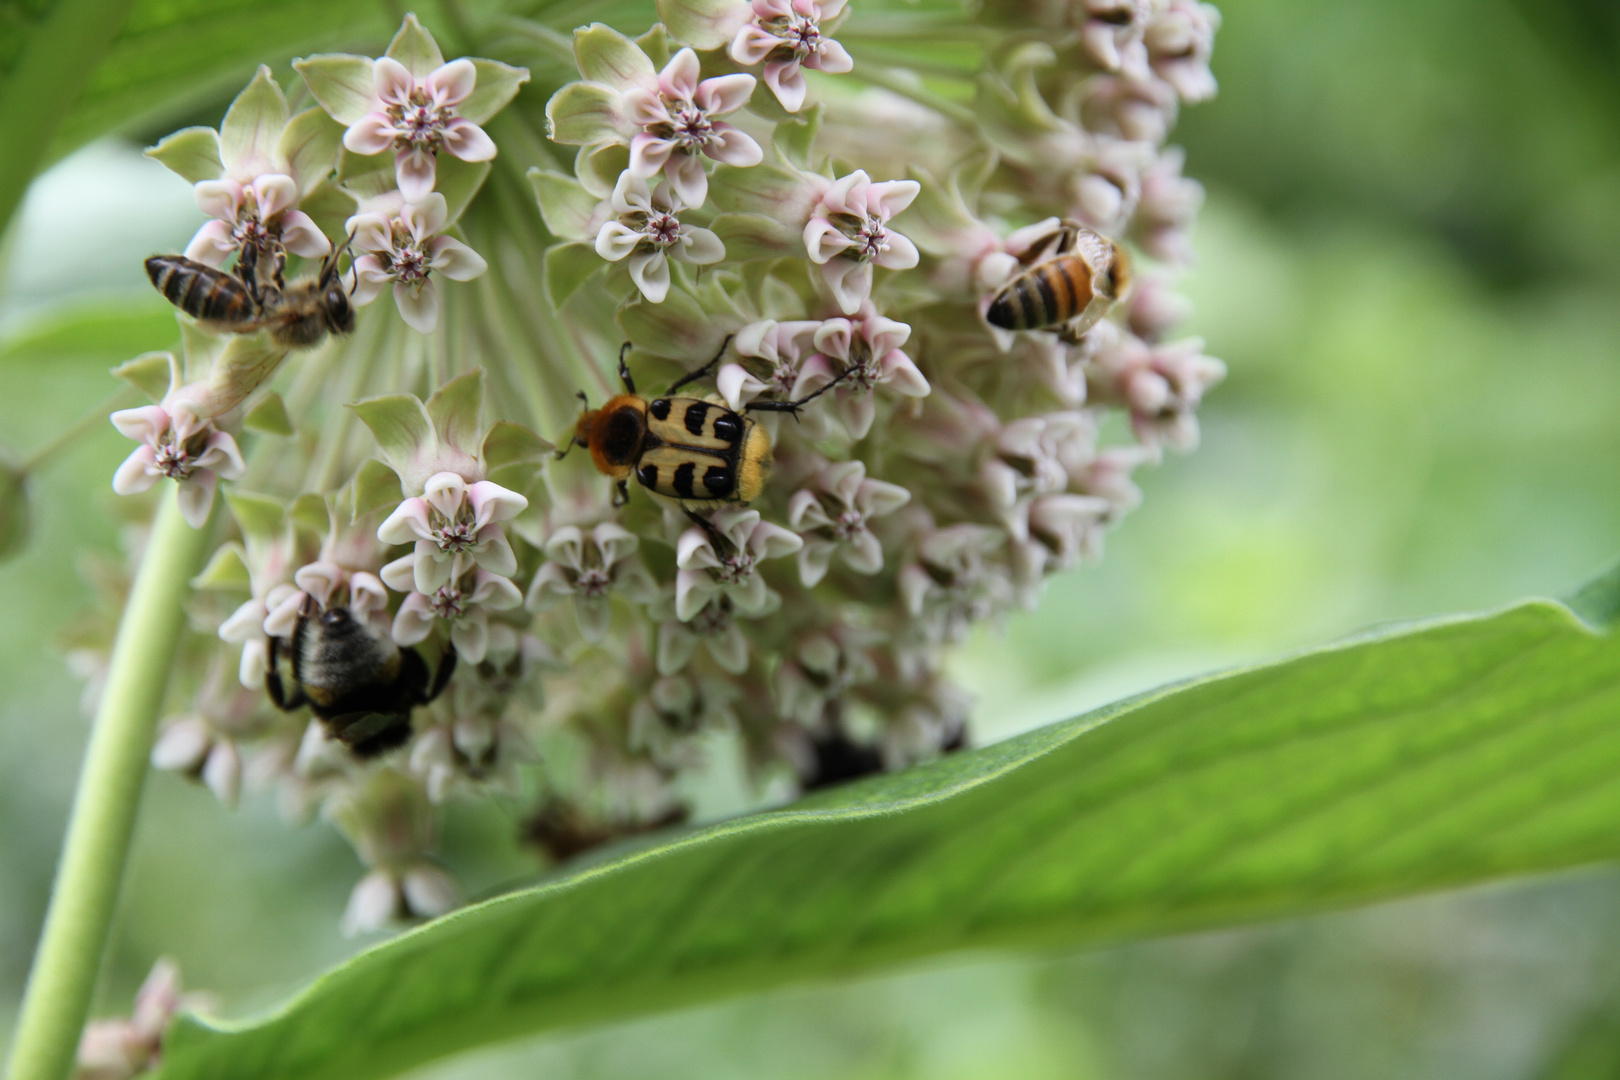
{"type": "Point", "coordinates": [441, 678]}
{"type": "Point", "coordinates": [621, 493]}
{"type": "Point", "coordinates": [624, 372]}
{"type": "Point", "coordinates": [794, 406]}
{"type": "Point", "coordinates": [280, 269]}
{"type": "Point", "coordinates": [274, 686]}
{"type": "Point", "coordinates": [247, 268]}
{"type": "Point", "coordinates": [692, 376]}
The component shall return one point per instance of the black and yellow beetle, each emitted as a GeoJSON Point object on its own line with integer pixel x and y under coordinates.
{"type": "Point", "coordinates": [694, 450]}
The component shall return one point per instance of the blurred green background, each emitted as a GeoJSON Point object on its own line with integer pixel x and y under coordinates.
{"type": "Point", "coordinates": [1410, 259]}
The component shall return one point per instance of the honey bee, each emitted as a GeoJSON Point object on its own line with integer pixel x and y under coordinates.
{"type": "Point", "coordinates": [357, 682]}
{"type": "Point", "coordinates": [696, 451]}
{"type": "Point", "coordinates": [1070, 282]}
{"type": "Point", "coordinates": [298, 316]}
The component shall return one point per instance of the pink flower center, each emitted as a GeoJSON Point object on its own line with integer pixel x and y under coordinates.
{"type": "Point", "coordinates": [735, 569]}
{"type": "Point", "coordinates": [661, 229]}
{"type": "Point", "coordinates": [455, 537]}
{"type": "Point", "coordinates": [689, 127]}
{"type": "Point", "coordinates": [713, 620]}
{"type": "Point", "coordinates": [800, 35]}
{"type": "Point", "coordinates": [593, 582]}
{"type": "Point", "coordinates": [849, 524]}
{"type": "Point", "coordinates": [173, 460]}
{"type": "Point", "coordinates": [447, 602]}
{"type": "Point", "coordinates": [408, 263]}
{"type": "Point", "coordinates": [418, 123]}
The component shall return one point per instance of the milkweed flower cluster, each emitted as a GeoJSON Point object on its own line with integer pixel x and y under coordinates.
{"type": "Point", "coordinates": [827, 245]}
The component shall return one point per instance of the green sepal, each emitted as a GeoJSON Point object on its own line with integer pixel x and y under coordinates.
{"type": "Point", "coordinates": [567, 208]}
{"type": "Point", "coordinates": [191, 153]}
{"type": "Point", "coordinates": [414, 47]}
{"type": "Point", "coordinates": [374, 487]}
{"type": "Point", "coordinates": [311, 512]}
{"type": "Point", "coordinates": [404, 433]}
{"type": "Point", "coordinates": [703, 24]}
{"type": "Point", "coordinates": [599, 167]}
{"type": "Point", "coordinates": [226, 571]}
{"type": "Point", "coordinates": [680, 328]}
{"type": "Point", "coordinates": [568, 266]}
{"type": "Point", "coordinates": [497, 84]}
{"type": "Point", "coordinates": [606, 56]}
{"type": "Point", "coordinates": [762, 189]}
{"type": "Point", "coordinates": [248, 362]}
{"type": "Point", "coordinates": [506, 443]}
{"type": "Point", "coordinates": [151, 373]}
{"type": "Point", "coordinates": [309, 148]}
{"type": "Point", "coordinates": [795, 137]}
{"type": "Point", "coordinates": [342, 83]}
{"type": "Point", "coordinates": [257, 515]}
{"type": "Point", "coordinates": [453, 410]}
{"type": "Point", "coordinates": [458, 181]}
{"type": "Point", "coordinates": [330, 207]}
{"type": "Point", "coordinates": [655, 44]}
{"type": "Point", "coordinates": [586, 112]}
{"type": "Point", "coordinates": [269, 416]}
{"type": "Point", "coordinates": [756, 236]}
{"type": "Point", "coordinates": [254, 122]}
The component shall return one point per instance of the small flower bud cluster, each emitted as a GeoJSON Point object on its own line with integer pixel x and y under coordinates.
{"type": "Point", "coordinates": [416, 601]}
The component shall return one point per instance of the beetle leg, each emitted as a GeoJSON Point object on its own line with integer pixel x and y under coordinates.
{"type": "Point", "coordinates": [574, 439]}
{"type": "Point", "coordinates": [624, 372]}
{"type": "Point", "coordinates": [692, 376]}
{"type": "Point", "coordinates": [621, 493]}
{"type": "Point", "coordinates": [721, 545]}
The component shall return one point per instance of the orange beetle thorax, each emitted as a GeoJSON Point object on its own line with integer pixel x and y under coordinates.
{"type": "Point", "coordinates": [615, 434]}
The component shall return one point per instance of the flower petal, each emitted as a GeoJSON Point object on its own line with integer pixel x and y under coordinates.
{"type": "Point", "coordinates": [650, 271]}
{"type": "Point", "coordinates": [698, 246]}
{"type": "Point", "coordinates": [900, 255]}
{"type": "Point", "coordinates": [220, 199]}
{"type": "Point", "coordinates": [369, 279]}
{"type": "Point", "coordinates": [724, 94]}
{"type": "Point", "coordinates": [648, 153]}
{"type": "Point", "coordinates": [418, 306]}
{"type": "Point", "coordinates": [786, 81]}
{"type": "Point", "coordinates": [195, 497]}
{"type": "Point", "coordinates": [823, 240]}
{"type": "Point", "coordinates": [831, 57]}
{"type": "Point", "coordinates": [407, 524]}
{"type": "Point", "coordinates": [675, 645]}
{"type": "Point", "coordinates": [273, 193]}
{"type": "Point", "coordinates": [616, 241]}
{"type": "Point", "coordinates": [414, 621]}
{"type": "Point", "coordinates": [213, 244]}
{"type": "Point", "coordinates": [453, 259]}
{"type": "Point", "coordinates": [889, 197]}
{"type": "Point", "coordinates": [686, 176]}
{"type": "Point", "coordinates": [371, 134]}
{"type": "Point", "coordinates": [467, 141]}
{"type": "Point", "coordinates": [679, 79]}
{"type": "Point", "coordinates": [301, 236]}
{"type": "Point", "coordinates": [850, 282]}
{"type": "Point", "coordinates": [414, 171]}
{"type": "Point", "coordinates": [593, 614]}
{"type": "Point", "coordinates": [451, 83]}
{"type": "Point", "coordinates": [426, 216]}
{"type": "Point", "coordinates": [733, 146]}
{"type": "Point", "coordinates": [752, 45]}
{"type": "Point", "coordinates": [470, 636]}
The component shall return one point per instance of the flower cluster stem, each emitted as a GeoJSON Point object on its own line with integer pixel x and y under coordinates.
{"type": "Point", "coordinates": [103, 817]}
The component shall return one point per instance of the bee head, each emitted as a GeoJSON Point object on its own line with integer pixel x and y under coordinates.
{"type": "Point", "coordinates": [335, 306]}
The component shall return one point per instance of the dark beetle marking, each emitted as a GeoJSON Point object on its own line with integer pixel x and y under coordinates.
{"type": "Point", "coordinates": [622, 441]}
{"type": "Point", "coordinates": [695, 414]}
{"type": "Point", "coordinates": [659, 409]}
{"type": "Point", "coordinates": [684, 474]}
{"type": "Point", "coordinates": [717, 478]}
{"type": "Point", "coordinates": [648, 475]}
{"type": "Point", "coordinates": [728, 426]}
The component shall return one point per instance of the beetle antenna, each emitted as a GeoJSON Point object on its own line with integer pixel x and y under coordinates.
{"type": "Point", "coordinates": [624, 372]}
{"type": "Point", "coordinates": [573, 441]}
{"type": "Point", "coordinates": [794, 406]}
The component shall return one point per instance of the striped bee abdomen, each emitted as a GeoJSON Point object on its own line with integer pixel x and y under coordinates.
{"type": "Point", "coordinates": [1046, 294]}
{"type": "Point", "coordinates": [201, 291]}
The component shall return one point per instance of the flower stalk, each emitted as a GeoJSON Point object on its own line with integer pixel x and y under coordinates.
{"type": "Point", "coordinates": [109, 791]}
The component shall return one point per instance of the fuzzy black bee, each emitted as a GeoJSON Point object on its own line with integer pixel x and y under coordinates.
{"type": "Point", "coordinates": [354, 678]}
{"type": "Point", "coordinates": [298, 316]}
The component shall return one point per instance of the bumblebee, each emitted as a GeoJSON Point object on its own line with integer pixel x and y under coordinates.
{"type": "Point", "coordinates": [298, 316]}
{"type": "Point", "coordinates": [694, 450]}
{"type": "Point", "coordinates": [1071, 282]}
{"type": "Point", "coordinates": [357, 682]}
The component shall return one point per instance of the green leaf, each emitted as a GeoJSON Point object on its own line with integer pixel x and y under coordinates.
{"type": "Point", "coordinates": [566, 207]}
{"type": "Point", "coordinates": [257, 515]}
{"type": "Point", "coordinates": [269, 416]}
{"type": "Point", "coordinates": [599, 167]}
{"type": "Point", "coordinates": [309, 147]}
{"type": "Point", "coordinates": [568, 266]}
{"type": "Point", "coordinates": [253, 125]}
{"type": "Point", "coordinates": [341, 82]}
{"type": "Point", "coordinates": [508, 443]}
{"type": "Point", "coordinates": [608, 57]}
{"type": "Point", "coordinates": [226, 570]}
{"type": "Point", "coordinates": [763, 189]}
{"type": "Point", "coordinates": [374, 487]}
{"type": "Point", "coordinates": [680, 328]}
{"type": "Point", "coordinates": [497, 84]}
{"type": "Point", "coordinates": [191, 152]}
{"type": "Point", "coordinates": [755, 236]}
{"type": "Point", "coordinates": [403, 431]}
{"type": "Point", "coordinates": [415, 48]}
{"type": "Point", "coordinates": [1419, 758]}
{"type": "Point", "coordinates": [585, 112]}
{"type": "Point", "coordinates": [153, 373]}
{"type": "Point", "coordinates": [703, 24]}
{"type": "Point", "coordinates": [454, 409]}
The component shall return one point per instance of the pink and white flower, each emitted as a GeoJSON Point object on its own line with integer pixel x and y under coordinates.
{"type": "Point", "coordinates": [722, 561]}
{"type": "Point", "coordinates": [1111, 34]}
{"type": "Point", "coordinates": [715, 627]}
{"type": "Point", "coordinates": [787, 36]}
{"type": "Point", "coordinates": [848, 233]}
{"type": "Point", "coordinates": [416, 118]}
{"type": "Point", "coordinates": [590, 567]}
{"type": "Point", "coordinates": [324, 585]}
{"type": "Point", "coordinates": [175, 443]}
{"type": "Point", "coordinates": [1179, 39]}
{"type": "Point", "coordinates": [831, 517]}
{"type": "Point", "coordinates": [454, 525]}
{"type": "Point", "coordinates": [649, 232]}
{"type": "Point", "coordinates": [406, 250]}
{"type": "Point", "coordinates": [861, 356]}
{"type": "Point", "coordinates": [678, 125]}
{"type": "Point", "coordinates": [257, 215]}
{"type": "Point", "coordinates": [781, 346]}
{"type": "Point", "coordinates": [464, 602]}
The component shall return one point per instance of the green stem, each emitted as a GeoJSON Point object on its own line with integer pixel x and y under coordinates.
{"type": "Point", "coordinates": [57, 59]}
{"type": "Point", "coordinates": [103, 818]}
